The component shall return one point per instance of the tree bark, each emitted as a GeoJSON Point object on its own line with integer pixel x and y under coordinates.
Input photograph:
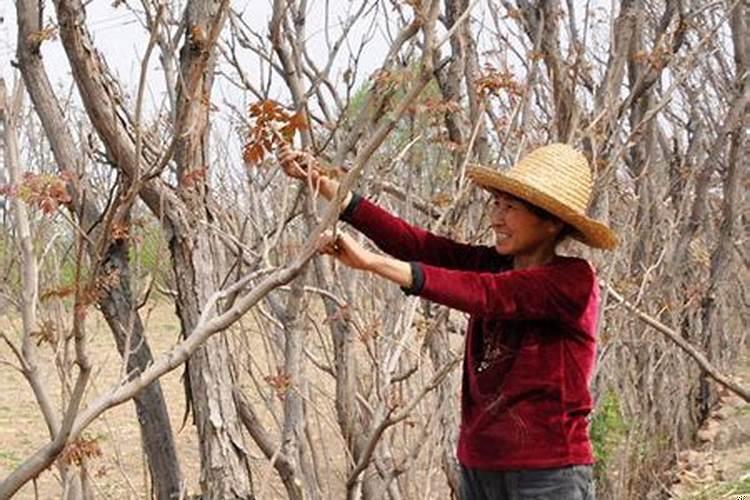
{"type": "Point", "coordinates": [151, 409]}
{"type": "Point", "coordinates": [198, 263]}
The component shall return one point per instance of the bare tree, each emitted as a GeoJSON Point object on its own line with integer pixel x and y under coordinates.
{"type": "Point", "coordinates": [117, 303]}
{"type": "Point", "coordinates": [345, 387]}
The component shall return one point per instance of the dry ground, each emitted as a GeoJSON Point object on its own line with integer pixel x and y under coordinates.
{"type": "Point", "coordinates": [120, 472]}
{"type": "Point", "coordinates": [722, 458]}
{"type": "Point", "coordinates": [718, 467]}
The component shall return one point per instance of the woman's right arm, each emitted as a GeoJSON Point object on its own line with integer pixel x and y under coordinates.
{"type": "Point", "coordinates": [391, 234]}
{"type": "Point", "coordinates": [407, 242]}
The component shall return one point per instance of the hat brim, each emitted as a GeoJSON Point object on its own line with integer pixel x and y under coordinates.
{"type": "Point", "coordinates": [589, 231]}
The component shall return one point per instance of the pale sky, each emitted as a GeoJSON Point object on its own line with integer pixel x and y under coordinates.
{"type": "Point", "coordinates": [122, 40]}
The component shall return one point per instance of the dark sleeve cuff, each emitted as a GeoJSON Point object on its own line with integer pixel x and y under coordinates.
{"type": "Point", "coordinates": [417, 280]}
{"type": "Point", "coordinates": [348, 212]}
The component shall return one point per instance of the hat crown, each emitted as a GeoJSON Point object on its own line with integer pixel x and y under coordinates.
{"type": "Point", "coordinates": [558, 170]}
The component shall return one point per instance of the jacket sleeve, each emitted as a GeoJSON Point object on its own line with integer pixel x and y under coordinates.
{"type": "Point", "coordinates": [562, 292]}
{"type": "Point", "coordinates": [404, 241]}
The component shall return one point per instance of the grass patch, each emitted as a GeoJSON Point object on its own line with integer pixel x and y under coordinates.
{"type": "Point", "coordinates": [9, 458]}
{"type": "Point", "coordinates": [726, 490]}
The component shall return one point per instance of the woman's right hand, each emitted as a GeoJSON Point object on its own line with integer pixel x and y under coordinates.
{"type": "Point", "coordinates": [303, 165]}
{"type": "Point", "coordinates": [346, 250]}
{"type": "Point", "coordinates": [298, 164]}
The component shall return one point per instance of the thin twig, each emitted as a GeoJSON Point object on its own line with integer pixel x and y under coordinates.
{"type": "Point", "coordinates": [675, 337]}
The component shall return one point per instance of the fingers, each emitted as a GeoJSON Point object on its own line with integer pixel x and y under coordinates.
{"type": "Point", "coordinates": [298, 164]}
{"type": "Point", "coordinates": [328, 244]}
{"type": "Point", "coordinates": [287, 154]}
{"type": "Point", "coordinates": [307, 160]}
{"type": "Point", "coordinates": [345, 249]}
{"type": "Point", "coordinates": [288, 159]}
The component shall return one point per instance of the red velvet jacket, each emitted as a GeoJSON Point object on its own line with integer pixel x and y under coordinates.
{"type": "Point", "coordinates": [530, 347]}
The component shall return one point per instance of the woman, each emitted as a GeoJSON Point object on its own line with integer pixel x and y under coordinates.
{"type": "Point", "coordinates": [530, 342]}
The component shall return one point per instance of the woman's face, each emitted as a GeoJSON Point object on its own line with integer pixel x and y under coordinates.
{"type": "Point", "coordinates": [518, 230]}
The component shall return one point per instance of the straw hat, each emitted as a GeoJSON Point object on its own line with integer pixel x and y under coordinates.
{"type": "Point", "coordinates": [557, 179]}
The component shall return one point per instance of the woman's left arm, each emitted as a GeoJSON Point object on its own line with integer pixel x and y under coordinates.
{"type": "Point", "coordinates": [561, 291]}
{"type": "Point", "coordinates": [352, 254]}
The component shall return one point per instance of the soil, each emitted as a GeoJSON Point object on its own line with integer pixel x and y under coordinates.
{"type": "Point", "coordinates": [718, 466]}
{"type": "Point", "coordinates": [120, 471]}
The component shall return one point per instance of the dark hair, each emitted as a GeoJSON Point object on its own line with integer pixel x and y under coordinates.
{"type": "Point", "coordinates": [567, 229]}
{"type": "Point", "coordinates": [538, 211]}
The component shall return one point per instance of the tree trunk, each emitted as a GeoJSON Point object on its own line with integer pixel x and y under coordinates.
{"type": "Point", "coordinates": [198, 263]}
{"type": "Point", "coordinates": [151, 409]}
{"type": "Point", "coordinates": [225, 471]}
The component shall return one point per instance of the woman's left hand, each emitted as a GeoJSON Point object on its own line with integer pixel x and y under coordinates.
{"type": "Point", "coordinates": [352, 254]}
{"type": "Point", "coordinates": [346, 250]}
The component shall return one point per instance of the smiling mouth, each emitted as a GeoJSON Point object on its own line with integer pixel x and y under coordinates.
{"type": "Point", "coordinates": [501, 236]}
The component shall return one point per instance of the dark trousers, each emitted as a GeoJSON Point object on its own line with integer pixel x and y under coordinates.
{"type": "Point", "coordinates": [567, 483]}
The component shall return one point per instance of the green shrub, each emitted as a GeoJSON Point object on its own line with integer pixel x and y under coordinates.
{"type": "Point", "coordinates": [608, 429]}
{"type": "Point", "coordinates": [149, 254]}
